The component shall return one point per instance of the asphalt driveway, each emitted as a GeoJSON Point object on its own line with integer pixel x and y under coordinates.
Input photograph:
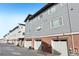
{"type": "Point", "coordinates": [12, 50]}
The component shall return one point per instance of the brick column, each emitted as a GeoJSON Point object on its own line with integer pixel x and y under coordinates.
{"type": "Point", "coordinates": [46, 44]}
{"type": "Point", "coordinates": [33, 42]}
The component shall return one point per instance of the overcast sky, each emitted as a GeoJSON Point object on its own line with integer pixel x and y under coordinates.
{"type": "Point", "coordinates": [12, 14]}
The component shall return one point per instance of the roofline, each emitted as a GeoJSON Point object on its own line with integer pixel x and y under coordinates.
{"type": "Point", "coordinates": [21, 24]}
{"type": "Point", "coordinates": [5, 35]}
{"type": "Point", "coordinates": [42, 9]}
{"type": "Point", "coordinates": [16, 27]}
{"type": "Point", "coordinates": [29, 15]}
{"type": "Point", "coordinates": [13, 29]}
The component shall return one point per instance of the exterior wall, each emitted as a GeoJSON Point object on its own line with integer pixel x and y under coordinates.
{"type": "Point", "coordinates": [28, 42]}
{"type": "Point", "coordinates": [6, 38]}
{"type": "Point", "coordinates": [76, 42]}
{"type": "Point", "coordinates": [2, 41]}
{"type": "Point", "coordinates": [13, 36]}
{"type": "Point", "coordinates": [27, 29]}
{"type": "Point", "coordinates": [46, 42]}
{"type": "Point", "coordinates": [17, 33]}
{"type": "Point", "coordinates": [50, 15]}
{"type": "Point", "coordinates": [42, 26]}
{"type": "Point", "coordinates": [45, 22]}
{"type": "Point", "coordinates": [22, 29]}
{"type": "Point", "coordinates": [74, 16]}
{"type": "Point", "coordinates": [33, 39]}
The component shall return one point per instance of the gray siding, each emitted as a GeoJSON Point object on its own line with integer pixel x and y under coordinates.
{"type": "Point", "coordinates": [27, 28]}
{"type": "Point", "coordinates": [44, 22]}
{"type": "Point", "coordinates": [17, 33]}
{"type": "Point", "coordinates": [61, 10]}
{"type": "Point", "coordinates": [74, 16]}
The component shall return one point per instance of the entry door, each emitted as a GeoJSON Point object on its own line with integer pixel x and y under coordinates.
{"type": "Point", "coordinates": [59, 48]}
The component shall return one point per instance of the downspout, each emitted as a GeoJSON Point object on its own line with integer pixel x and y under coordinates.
{"type": "Point", "coordinates": [70, 29]}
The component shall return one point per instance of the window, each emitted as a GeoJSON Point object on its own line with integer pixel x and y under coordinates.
{"type": "Point", "coordinates": [71, 9]}
{"type": "Point", "coordinates": [23, 33]}
{"type": "Point", "coordinates": [49, 12]}
{"type": "Point", "coordinates": [61, 20]}
{"type": "Point", "coordinates": [57, 23]}
{"type": "Point", "coordinates": [19, 32]}
{"type": "Point", "coordinates": [46, 12]}
{"type": "Point", "coordinates": [52, 9]}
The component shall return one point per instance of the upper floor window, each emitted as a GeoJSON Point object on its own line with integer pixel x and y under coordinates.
{"type": "Point", "coordinates": [23, 33]}
{"type": "Point", "coordinates": [19, 32]}
{"type": "Point", "coordinates": [57, 22]}
{"type": "Point", "coordinates": [46, 12]}
{"type": "Point", "coordinates": [52, 9]}
{"type": "Point", "coordinates": [49, 12]}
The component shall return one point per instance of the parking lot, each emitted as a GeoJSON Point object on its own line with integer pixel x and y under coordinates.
{"type": "Point", "coordinates": [11, 50]}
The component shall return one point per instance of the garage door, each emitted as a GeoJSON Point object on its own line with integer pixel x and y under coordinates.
{"type": "Point", "coordinates": [16, 42]}
{"type": "Point", "coordinates": [37, 45]}
{"type": "Point", "coordinates": [59, 48]}
{"type": "Point", "coordinates": [10, 41]}
{"type": "Point", "coordinates": [27, 44]}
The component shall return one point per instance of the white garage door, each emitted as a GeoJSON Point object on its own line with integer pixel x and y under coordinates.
{"type": "Point", "coordinates": [27, 44]}
{"type": "Point", "coordinates": [16, 42]}
{"type": "Point", "coordinates": [10, 41]}
{"type": "Point", "coordinates": [37, 45]}
{"type": "Point", "coordinates": [60, 48]}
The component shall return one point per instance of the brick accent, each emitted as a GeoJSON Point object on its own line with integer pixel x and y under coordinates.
{"type": "Point", "coordinates": [46, 44]}
{"type": "Point", "coordinates": [76, 43]}
{"type": "Point", "coordinates": [33, 42]}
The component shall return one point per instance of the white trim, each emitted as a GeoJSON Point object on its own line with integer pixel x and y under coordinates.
{"type": "Point", "coordinates": [61, 34]}
{"type": "Point", "coordinates": [53, 35]}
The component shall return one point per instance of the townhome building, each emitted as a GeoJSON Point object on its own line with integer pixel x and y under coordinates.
{"type": "Point", "coordinates": [54, 28]}
{"type": "Point", "coordinates": [6, 37]}
{"type": "Point", "coordinates": [16, 35]}
{"type": "Point", "coordinates": [27, 39]}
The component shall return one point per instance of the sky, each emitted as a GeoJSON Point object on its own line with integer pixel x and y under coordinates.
{"type": "Point", "coordinates": [13, 13]}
